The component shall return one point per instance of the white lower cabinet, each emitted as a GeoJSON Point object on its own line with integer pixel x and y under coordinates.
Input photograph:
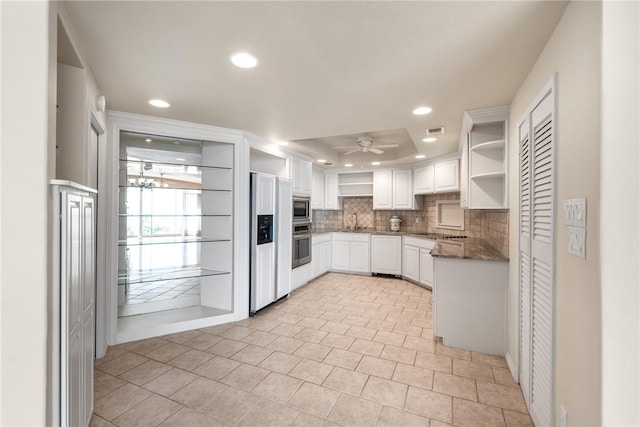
{"type": "Point", "coordinates": [350, 252]}
{"type": "Point", "coordinates": [386, 254]}
{"type": "Point", "coordinates": [426, 267]}
{"type": "Point", "coordinates": [320, 254]}
{"type": "Point", "coordinates": [470, 304]}
{"type": "Point", "coordinates": [417, 264]}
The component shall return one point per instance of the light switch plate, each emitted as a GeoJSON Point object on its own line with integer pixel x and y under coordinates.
{"type": "Point", "coordinates": [577, 241]}
{"type": "Point", "coordinates": [575, 212]}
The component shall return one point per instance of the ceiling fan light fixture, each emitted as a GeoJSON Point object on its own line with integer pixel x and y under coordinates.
{"type": "Point", "coordinates": [244, 60]}
{"type": "Point", "coordinates": [421, 111]}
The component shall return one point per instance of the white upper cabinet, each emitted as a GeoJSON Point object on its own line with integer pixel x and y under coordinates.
{"type": "Point", "coordinates": [424, 180]}
{"type": "Point", "coordinates": [393, 189]}
{"type": "Point", "coordinates": [483, 146]}
{"type": "Point", "coordinates": [317, 190]}
{"type": "Point", "coordinates": [331, 200]}
{"type": "Point", "coordinates": [301, 176]}
{"type": "Point", "coordinates": [403, 189]}
{"type": "Point", "coordinates": [447, 176]}
{"type": "Point", "coordinates": [382, 189]}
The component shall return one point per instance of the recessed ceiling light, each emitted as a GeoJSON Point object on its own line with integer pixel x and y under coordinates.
{"type": "Point", "coordinates": [159, 103]}
{"type": "Point", "coordinates": [421, 111]}
{"type": "Point", "coordinates": [180, 159]}
{"type": "Point", "coordinates": [147, 140]}
{"type": "Point", "coordinates": [420, 156]}
{"type": "Point", "coordinates": [348, 165]}
{"type": "Point", "coordinates": [244, 60]}
{"type": "Point", "coordinates": [283, 143]}
{"type": "Point", "coordinates": [375, 163]}
{"type": "Point", "coordinates": [322, 161]}
{"type": "Point", "coordinates": [430, 139]}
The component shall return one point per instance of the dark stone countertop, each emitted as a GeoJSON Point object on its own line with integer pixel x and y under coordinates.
{"type": "Point", "coordinates": [446, 246]}
{"type": "Point", "coordinates": [470, 248]}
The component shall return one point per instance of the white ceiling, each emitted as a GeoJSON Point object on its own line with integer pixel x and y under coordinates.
{"type": "Point", "coordinates": [327, 69]}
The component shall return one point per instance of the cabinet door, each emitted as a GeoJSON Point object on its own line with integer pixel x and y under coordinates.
{"type": "Point", "coordinates": [305, 171]}
{"type": "Point", "coordinates": [359, 257]}
{"type": "Point", "coordinates": [340, 256]}
{"type": "Point", "coordinates": [317, 191]}
{"type": "Point", "coordinates": [426, 268]}
{"type": "Point", "coordinates": [326, 257]}
{"type": "Point", "coordinates": [265, 286]}
{"type": "Point", "coordinates": [464, 175]}
{"type": "Point", "coordinates": [331, 200]}
{"type": "Point", "coordinates": [423, 180]}
{"type": "Point", "coordinates": [316, 260]}
{"type": "Point", "coordinates": [411, 263]}
{"type": "Point", "coordinates": [403, 189]}
{"type": "Point", "coordinates": [265, 195]}
{"type": "Point", "coordinates": [386, 254]}
{"type": "Point", "coordinates": [447, 176]}
{"type": "Point", "coordinates": [296, 174]}
{"type": "Point", "coordinates": [382, 189]}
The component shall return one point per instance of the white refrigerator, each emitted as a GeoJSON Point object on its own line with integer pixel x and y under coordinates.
{"type": "Point", "coordinates": [270, 262]}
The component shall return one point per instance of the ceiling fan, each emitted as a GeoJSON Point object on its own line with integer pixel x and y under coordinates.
{"type": "Point", "coordinates": [365, 145]}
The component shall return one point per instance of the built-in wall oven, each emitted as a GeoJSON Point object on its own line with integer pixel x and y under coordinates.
{"type": "Point", "coordinates": [301, 209]}
{"type": "Point", "coordinates": [301, 246]}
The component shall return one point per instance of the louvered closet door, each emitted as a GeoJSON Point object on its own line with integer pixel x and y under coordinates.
{"type": "Point", "coordinates": [525, 258]}
{"type": "Point", "coordinates": [536, 260]}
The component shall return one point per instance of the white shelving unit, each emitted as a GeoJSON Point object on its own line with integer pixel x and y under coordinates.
{"type": "Point", "coordinates": [485, 168]}
{"type": "Point", "coordinates": [358, 184]}
{"type": "Point", "coordinates": [175, 226]}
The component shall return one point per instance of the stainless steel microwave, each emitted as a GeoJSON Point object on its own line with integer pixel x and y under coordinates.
{"type": "Point", "coordinates": [301, 209]}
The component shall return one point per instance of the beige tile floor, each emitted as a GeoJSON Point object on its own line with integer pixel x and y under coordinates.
{"type": "Point", "coordinates": [342, 350]}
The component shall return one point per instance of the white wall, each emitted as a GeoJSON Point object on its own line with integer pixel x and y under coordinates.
{"type": "Point", "coordinates": [573, 51]}
{"type": "Point", "coordinates": [23, 211]}
{"type": "Point", "coordinates": [620, 213]}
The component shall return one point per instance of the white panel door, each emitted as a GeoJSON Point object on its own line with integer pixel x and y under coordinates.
{"type": "Point", "coordinates": [402, 194]}
{"type": "Point", "coordinates": [537, 266]}
{"type": "Point", "coordinates": [326, 257]}
{"type": "Point", "coordinates": [71, 299]}
{"type": "Point", "coordinates": [264, 290]}
{"type": "Point", "coordinates": [447, 176]}
{"type": "Point", "coordinates": [331, 200]}
{"type": "Point", "coordinates": [426, 267]}
{"type": "Point", "coordinates": [423, 180]}
{"type": "Point", "coordinates": [382, 189]}
{"type": "Point", "coordinates": [317, 191]}
{"type": "Point", "coordinates": [411, 263]}
{"type": "Point", "coordinates": [386, 254]}
{"type": "Point", "coordinates": [340, 256]}
{"type": "Point", "coordinates": [284, 237]}
{"type": "Point", "coordinates": [359, 257]}
{"type": "Point", "coordinates": [88, 307]}
{"type": "Point", "coordinates": [265, 186]}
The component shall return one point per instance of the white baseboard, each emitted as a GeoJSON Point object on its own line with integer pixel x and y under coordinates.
{"type": "Point", "coordinates": [513, 367]}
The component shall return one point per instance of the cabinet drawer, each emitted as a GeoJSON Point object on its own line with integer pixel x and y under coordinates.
{"type": "Point", "coordinates": [350, 237]}
{"type": "Point", "coordinates": [320, 238]}
{"type": "Point", "coordinates": [419, 242]}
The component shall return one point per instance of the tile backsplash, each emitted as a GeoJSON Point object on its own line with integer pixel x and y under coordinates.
{"type": "Point", "coordinates": [491, 225]}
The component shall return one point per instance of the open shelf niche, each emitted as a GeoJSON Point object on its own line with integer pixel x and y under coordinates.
{"type": "Point", "coordinates": [175, 240]}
